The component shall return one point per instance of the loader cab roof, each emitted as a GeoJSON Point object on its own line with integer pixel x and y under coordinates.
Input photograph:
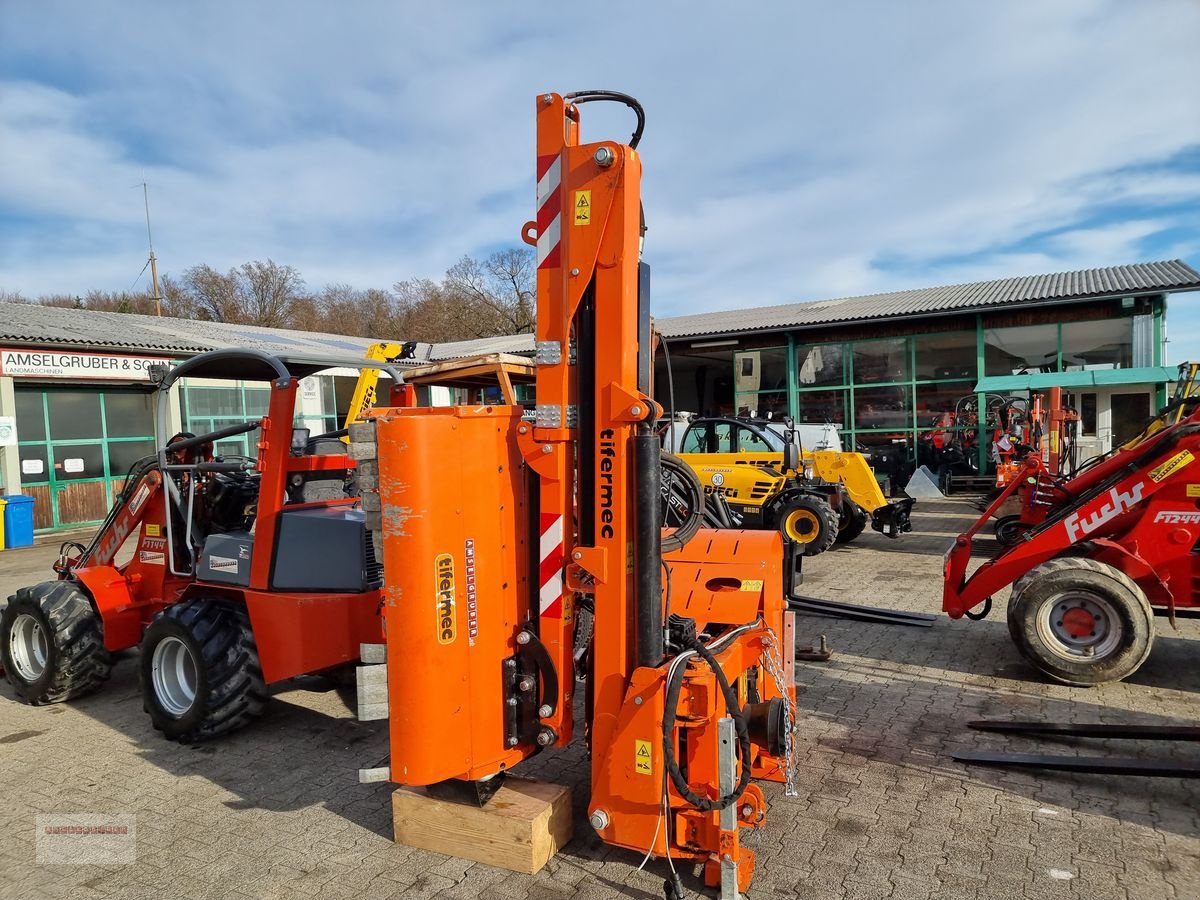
{"type": "Point", "coordinates": [245, 364]}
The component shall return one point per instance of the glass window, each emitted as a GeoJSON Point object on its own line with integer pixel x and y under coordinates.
{"type": "Point", "coordinates": [695, 440]}
{"type": "Point", "coordinates": [760, 370]}
{"type": "Point", "coordinates": [74, 415]}
{"type": "Point", "coordinates": [935, 400]}
{"type": "Point", "coordinates": [214, 401]}
{"type": "Point", "coordinates": [77, 461]}
{"type": "Point", "coordinates": [945, 355]}
{"type": "Point", "coordinates": [751, 442]}
{"type": "Point", "coordinates": [1087, 415]}
{"type": "Point", "coordinates": [770, 404]}
{"type": "Point", "coordinates": [819, 407]}
{"type": "Point", "coordinates": [257, 401]}
{"type": "Point", "coordinates": [1107, 344]}
{"type": "Point", "coordinates": [820, 364]}
{"type": "Point", "coordinates": [128, 414]}
{"type": "Point", "coordinates": [1013, 351]}
{"type": "Point", "coordinates": [31, 422]}
{"type": "Point", "coordinates": [123, 454]}
{"type": "Point", "coordinates": [884, 407]}
{"type": "Point", "coordinates": [723, 434]}
{"type": "Point", "coordinates": [34, 467]}
{"type": "Point", "coordinates": [876, 361]}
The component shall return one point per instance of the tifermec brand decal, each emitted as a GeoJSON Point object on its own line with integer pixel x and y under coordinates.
{"type": "Point", "coordinates": [608, 451]}
{"type": "Point", "coordinates": [443, 576]}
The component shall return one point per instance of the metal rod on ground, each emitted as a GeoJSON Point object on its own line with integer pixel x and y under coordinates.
{"type": "Point", "coordinates": [1092, 729]}
{"type": "Point", "coordinates": [1095, 765]}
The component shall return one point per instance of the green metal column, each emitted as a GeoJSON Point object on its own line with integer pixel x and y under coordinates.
{"type": "Point", "coordinates": [793, 379]}
{"type": "Point", "coordinates": [980, 399]}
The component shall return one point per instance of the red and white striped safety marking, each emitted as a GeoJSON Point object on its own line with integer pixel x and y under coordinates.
{"type": "Point", "coordinates": [550, 575]}
{"type": "Point", "coordinates": [549, 207]}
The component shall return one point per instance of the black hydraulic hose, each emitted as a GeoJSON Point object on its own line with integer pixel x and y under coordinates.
{"type": "Point", "coordinates": [739, 722]}
{"type": "Point", "coordinates": [579, 97]}
{"type": "Point", "coordinates": [677, 471]}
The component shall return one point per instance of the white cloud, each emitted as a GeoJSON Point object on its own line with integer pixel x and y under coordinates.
{"type": "Point", "coordinates": [792, 151]}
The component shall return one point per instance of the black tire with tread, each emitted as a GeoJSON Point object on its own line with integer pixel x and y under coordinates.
{"type": "Point", "coordinates": [1117, 588]}
{"type": "Point", "coordinates": [827, 529]}
{"type": "Point", "coordinates": [851, 522]}
{"type": "Point", "coordinates": [230, 688]}
{"type": "Point", "coordinates": [1008, 530]}
{"type": "Point", "coordinates": [77, 663]}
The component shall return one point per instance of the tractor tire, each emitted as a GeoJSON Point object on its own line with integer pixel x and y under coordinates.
{"type": "Point", "coordinates": [200, 672]}
{"type": "Point", "coordinates": [52, 644]}
{"type": "Point", "coordinates": [1081, 622]}
{"type": "Point", "coordinates": [851, 522]}
{"type": "Point", "coordinates": [1009, 530]}
{"type": "Point", "coordinates": [808, 521]}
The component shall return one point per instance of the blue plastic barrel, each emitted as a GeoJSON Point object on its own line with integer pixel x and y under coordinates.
{"type": "Point", "coordinates": [18, 521]}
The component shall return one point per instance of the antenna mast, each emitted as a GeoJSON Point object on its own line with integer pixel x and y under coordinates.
{"type": "Point", "coordinates": [156, 297]}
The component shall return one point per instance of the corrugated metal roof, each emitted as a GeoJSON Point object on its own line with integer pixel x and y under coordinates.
{"type": "Point", "coordinates": [1137, 278]}
{"type": "Point", "coordinates": [521, 344]}
{"type": "Point", "coordinates": [87, 329]}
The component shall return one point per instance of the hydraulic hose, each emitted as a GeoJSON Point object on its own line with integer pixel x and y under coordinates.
{"type": "Point", "coordinates": [677, 473]}
{"type": "Point", "coordinates": [671, 703]}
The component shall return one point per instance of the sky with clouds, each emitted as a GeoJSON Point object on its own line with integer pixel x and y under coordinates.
{"type": "Point", "coordinates": [793, 151]}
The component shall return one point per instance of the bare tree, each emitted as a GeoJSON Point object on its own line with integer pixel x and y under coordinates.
{"type": "Point", "coordinates": [495, 296]}
{"type": "Point", "coordinates": [212, 295]}
{"type": "Point", "coordinates": [266, 291]}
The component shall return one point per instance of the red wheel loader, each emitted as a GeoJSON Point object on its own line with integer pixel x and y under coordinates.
{"type": "Point", "coordinates": [1103, 552]}
{"type": "Point", "coordinates": [245, 571]}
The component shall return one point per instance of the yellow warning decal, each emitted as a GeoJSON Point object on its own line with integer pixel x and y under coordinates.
{"type": "Point", "coordinates": [751, 585]}
{"type": "Point", "coordinates": [156, 530]}
{"type": "Point", "coordinates": [583, 207]}
{"type": "Point", "coordinates": [641, 758]}
{"type": "Point", "coordinates": [1193, 490]}
{"type": "Point", "coordinates": [1172, 465]}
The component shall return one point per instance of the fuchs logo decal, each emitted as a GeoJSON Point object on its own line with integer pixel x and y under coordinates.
{"type": "Point", "coordinates": [222, 564]}
{"type": "Point", "coordinates": [472, 608]}
{"type": "Point", "coordinates": [1119, 502]}
{"type": "Point", "coordinates": [443, 571]}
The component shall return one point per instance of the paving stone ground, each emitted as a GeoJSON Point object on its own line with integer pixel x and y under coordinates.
{"type": "Point", "coordinates": [276, 810]}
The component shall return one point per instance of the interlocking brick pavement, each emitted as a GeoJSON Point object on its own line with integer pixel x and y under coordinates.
{"type": "Point", "coordinates": [276, 810]}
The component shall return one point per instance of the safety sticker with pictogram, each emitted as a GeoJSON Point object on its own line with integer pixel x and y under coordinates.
{"type": "Point", "coordinates": [641, 758]}
{"type": "Point", "coordinates": [583, 207]}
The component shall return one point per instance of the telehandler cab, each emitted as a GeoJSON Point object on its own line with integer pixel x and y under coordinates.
{"type": "Point", "coordinates": [244, 571]}
{"type": "Point", "coordinates": [816, 498]}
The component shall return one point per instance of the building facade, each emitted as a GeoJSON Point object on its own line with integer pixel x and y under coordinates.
{"type": "Point", "coordinates": [75, 407]}
{"type": "Point", "coordinates": [891, 368]}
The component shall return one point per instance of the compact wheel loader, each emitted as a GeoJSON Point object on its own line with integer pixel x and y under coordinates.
{"type": "Point", "coordinates": [244, 571]}
{"type": "Point", "coordinates": [815, 498]}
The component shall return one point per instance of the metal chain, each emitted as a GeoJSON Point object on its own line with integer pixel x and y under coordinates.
{"type": "Point", "coordinates": [773, 663]}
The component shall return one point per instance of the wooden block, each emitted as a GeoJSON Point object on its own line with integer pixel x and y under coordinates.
{"type": "Point", "coordinates": [522, 826]}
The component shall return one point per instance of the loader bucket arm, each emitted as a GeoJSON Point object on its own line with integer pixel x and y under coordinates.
{"type": "Point", "coordinates": [889, 517]}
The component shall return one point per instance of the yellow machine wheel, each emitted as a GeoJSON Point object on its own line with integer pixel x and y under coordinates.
{"type": "Point", "coordinates": [809, 521]}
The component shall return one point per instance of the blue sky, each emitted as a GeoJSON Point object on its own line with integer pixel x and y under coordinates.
{"type": "Point", "coordinates": [793, 151]}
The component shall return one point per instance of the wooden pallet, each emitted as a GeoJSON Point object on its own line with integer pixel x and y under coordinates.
{"type": "Point", "coordinates": [520, 829]}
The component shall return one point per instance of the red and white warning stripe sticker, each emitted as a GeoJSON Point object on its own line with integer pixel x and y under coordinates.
{"type": "Point", "coordinates": [550, 574]}
{"type": "Point", "coordinates": [549, 207]}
